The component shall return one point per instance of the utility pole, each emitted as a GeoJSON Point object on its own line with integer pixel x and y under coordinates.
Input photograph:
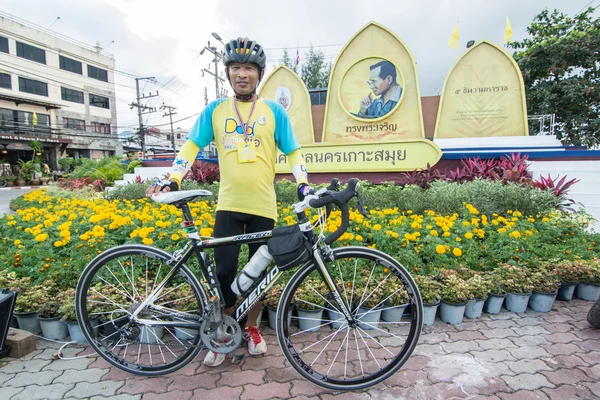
{"type": "Point", "coordinates": [143, 109]}
{"type": "Point", "coordinates": [216, 59]}
{"type": "Point", "coordinates": [170, 114]}
{"type": "Point", "coordinates": [205, 97]}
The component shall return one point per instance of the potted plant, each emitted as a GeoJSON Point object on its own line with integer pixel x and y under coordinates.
{"type": "Point", "coordinates": [27, 169]}
{"type": "Point", "coordinates": [29, 300]}
{"type": "Point", "coordinates": [569, 273]}
{"type": "Point", "coordinates": [455, 294]}
{"type": "Point", "coordinates": [10, 180]}
{"type": "Point", "coordinates": [183, 300]}
{"type": "Point", "coordinates": [69, 316]}
{"type": "Point", "coordinates": [497, 292]}
{"type": "Point", "coordinates": [518, 287]}
{"type": "Point", "coordinates": [396, 301]}
{"type": "Point", "coordinates": [49, 314]}
{"type": "Point", "coordinates": [479, 288]}
{"type": "Point", "coordinates": [431, 293]}
{"type": "Point", "coordinates": [310, 300]}
{"type": "Point", "coordinates": [589, 286]}
{"type": "Point", "coordinates": [545, 287]}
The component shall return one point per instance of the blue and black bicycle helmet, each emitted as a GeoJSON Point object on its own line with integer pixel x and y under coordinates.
{"type": "Point", "coordinates": [244, 50]}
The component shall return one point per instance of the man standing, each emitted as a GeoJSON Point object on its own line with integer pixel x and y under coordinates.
{"type": "Point", "coordinates": [382, 81]}
{"type": "Point", "coordinates": [247, 130]}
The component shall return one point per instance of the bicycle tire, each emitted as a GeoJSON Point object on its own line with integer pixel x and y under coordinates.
{"type": "Point", "coordinates": [298, 352]}
{"type": "Point", "coordinates": [101, 288]}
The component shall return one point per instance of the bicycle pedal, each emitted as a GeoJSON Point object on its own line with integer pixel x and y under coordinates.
{"type": "Point", "coordinates": [238, 358]}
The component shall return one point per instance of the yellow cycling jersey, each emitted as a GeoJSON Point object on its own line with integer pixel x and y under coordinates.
{"type": "Point", "coordinates": [247, 168]}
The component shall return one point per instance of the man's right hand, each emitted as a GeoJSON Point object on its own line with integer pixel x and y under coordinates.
{"type": "Point", "coordinates": [161, 186]}
{"type": "Point", "coordinates": [365, 103]}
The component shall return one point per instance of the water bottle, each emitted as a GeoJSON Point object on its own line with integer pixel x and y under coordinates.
{"type": "Point", "coordinates": [257, 264]}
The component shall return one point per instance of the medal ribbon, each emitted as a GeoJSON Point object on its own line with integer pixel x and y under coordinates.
{"type": "Point", "coordinates": [237, 111]}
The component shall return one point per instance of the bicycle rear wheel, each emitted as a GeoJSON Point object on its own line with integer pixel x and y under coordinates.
{"type": "Point", "coordinates": [112, 287]}
{"type": "Point", "coordinates": [335, 353]}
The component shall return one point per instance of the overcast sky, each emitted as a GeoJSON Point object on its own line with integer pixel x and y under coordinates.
{"type": "Point", "coordinates": [163, 38]}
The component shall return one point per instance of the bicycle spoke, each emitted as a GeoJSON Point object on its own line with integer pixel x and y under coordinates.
{"type": "Point", "coordinates": [338, 353]}
{"type": "Point", "coordinates": [333, 335]}
{"type": "Point", "coordinates": [380, 345]}
{"type": "Point", "coordinates": [374, 290]}
{"type": "Point", "coordinates": [362, 371]}
{"type": "Point", "coordinates": [353, 283]}
{"type": "Point", "coordinates": [367, 285]}
{"type": "Point", "coordinates": [368, 348]}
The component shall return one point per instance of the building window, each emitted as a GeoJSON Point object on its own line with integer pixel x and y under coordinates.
{"type": "Point", "coordinates": [3, 44]}
{"type": "Point", "coordinates": [100, 127]}
{"type": "Point", "coordinates": [77, 124]}
{"type": "Point", "coordinates": [99, 101]}
{"type": "Point", "coordinates": [13, 121]}
{"type": "Point", "coordinates": [97, 73]}
{"type": "Point", "coordinates": [71, 95]}
{"type": "Point", "coordinates": [70, 65]}
{"type": "Point", "coordinates": [33, 86]}
{"type": "Point", "coordinates": [5, 81]}
{"type": "Point", "coordinates": [31, 53]}
{"type": "Point", "coordinates": [179, 136]}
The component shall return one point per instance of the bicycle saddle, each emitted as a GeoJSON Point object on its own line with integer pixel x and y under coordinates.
{"type": "Point", "coordinates": [179, 197]}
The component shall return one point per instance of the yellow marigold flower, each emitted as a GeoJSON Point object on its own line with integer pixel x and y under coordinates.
{"type": "Point", "coordinates": [206, 231]}
{"type": "Point", "coordinates": [468, 235]}
{"type": "Point", "coordinates": [495, 222]}
{"type": "Point", "coordinates": [515, 234]}
{"type": "Point", "coordinates": [457, 252]}
{"type": "Point", "coordinates": [58, 243]}
{"type": "Point", "coordinates": [396, 235]}
{"type": "Point", "coordinates": [545, 219]}
{"type": "Point", "coordinates": [85, 237]}
{"type": "Point", "coordinates": [17, 242]}
{"type": "Point", "coordinates": [433, 233]}
{"type": "Point", "coordinates": [147, 241]}
{"type": "Point", "coordinates": [466, 223]}
{"type": "Point", "coordinates": [501, 230]}
{"type": "Point", "coordinates": [175, 237]}
{"type": "Point", "coordinates": [458, 239]}
{"type": "Point", "coordinates": [446, 234]}
{"type": "Point", "coordinates": [377, 227]}
{"type": "Point", "coordinates": [41, 237]}
{"type": "Point", "coordinates": [509, 212]}
{"type": "Point", "coordinates": [409, 211]}
{"type": "Point", "coordinates": [358, 238]}
{"type": "Point", "coordinates": [407, 236]}
{"type": "Point", "coordinates": [440, 249]}
{"type": "Point", "coordinates": [528, 233]}
{"type": "Point", "coordinates": [531, 219]}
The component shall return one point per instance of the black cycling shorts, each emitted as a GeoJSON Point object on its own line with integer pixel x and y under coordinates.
{"type": "Point", "coordinates": [231, 223]}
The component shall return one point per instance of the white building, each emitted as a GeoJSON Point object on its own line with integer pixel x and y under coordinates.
{"type": "Point", "coordinates": [57, 91]}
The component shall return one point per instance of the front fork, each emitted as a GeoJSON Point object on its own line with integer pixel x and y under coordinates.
{"type": "Point", "coordinates": [331, 284]}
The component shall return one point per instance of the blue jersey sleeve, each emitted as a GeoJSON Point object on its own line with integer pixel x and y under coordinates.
{"type": "Point", "coordinates": [202, 132]}
{"type": "Point", "coordinates": [284, 134]}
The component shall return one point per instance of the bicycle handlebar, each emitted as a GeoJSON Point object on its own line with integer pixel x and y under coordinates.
{"type": "Point", "coordinates": [339, 199]}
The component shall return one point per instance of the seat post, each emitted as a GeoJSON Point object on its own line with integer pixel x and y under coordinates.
{"type": "Point", "coordinates": [187, 215]}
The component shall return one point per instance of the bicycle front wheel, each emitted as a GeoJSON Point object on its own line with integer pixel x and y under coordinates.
{"type": "Point", "coordinates": [114, 285]}
{"type": "Point", "coordinates": [334, 352]}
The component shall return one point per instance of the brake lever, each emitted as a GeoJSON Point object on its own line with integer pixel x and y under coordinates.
{"type": "Point", "coordinates": [361, 206]}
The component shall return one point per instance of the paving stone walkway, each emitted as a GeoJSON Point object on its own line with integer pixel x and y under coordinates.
{"type": "Point", "coordinates": [505, 356]}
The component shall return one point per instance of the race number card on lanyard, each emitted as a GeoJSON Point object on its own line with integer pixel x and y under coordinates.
{"type": "Point", "coordinates": [246, 149]}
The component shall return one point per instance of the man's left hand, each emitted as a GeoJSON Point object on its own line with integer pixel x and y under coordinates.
{"type": "Point", "coordinates": [303, 190]}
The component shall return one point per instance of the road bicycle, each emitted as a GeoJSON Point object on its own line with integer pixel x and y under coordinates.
{"type": "Point", "coordinates": [150, 312]}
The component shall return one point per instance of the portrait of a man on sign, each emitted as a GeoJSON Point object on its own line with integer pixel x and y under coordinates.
{"type": "Point", "coordinates": [385, 91]}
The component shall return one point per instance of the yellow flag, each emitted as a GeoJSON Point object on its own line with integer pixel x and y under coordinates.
{"type": "Point", "coordinates": [453, 41]}
{"type": "Point", "coordinates": [507, 31]}
{"type": "Point", "coordinates": [34, 119]}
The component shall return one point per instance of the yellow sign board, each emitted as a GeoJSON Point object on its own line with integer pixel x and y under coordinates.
{"type": "Point", "coordinates": [373, 93]}
{"type": "Point", "coordinates": [286, 88]}
{"type": "Point", "coordinates": [365, 157]}
{"type": "Point", "coordinates": [483, 96]}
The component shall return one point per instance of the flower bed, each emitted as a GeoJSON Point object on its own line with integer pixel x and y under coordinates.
{"type": "Point", "coordinates": [54, 237]}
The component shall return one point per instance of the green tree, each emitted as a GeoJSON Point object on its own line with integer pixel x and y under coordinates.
{"type": "Point", "coordinates": [561, 71]}
{"type": "Point", "coordinates": [288, 61]}
{"type": "Point", "coordinates": [315, 71]}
